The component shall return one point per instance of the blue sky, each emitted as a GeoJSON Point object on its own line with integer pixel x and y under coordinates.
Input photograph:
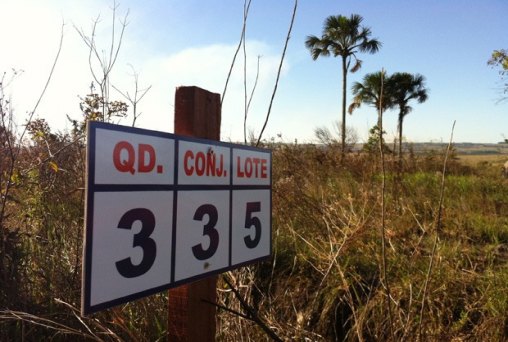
{"type": "Point", "coordinates": [191, 42]}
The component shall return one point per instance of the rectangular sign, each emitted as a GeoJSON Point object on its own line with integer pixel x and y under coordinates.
{"type": "Point", "coordinates": [163, 210]}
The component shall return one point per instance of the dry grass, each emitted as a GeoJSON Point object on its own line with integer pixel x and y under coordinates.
{"type": "Point", "coordinates": [323, 282]}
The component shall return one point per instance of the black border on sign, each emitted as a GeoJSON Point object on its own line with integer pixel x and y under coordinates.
{"type": "Point", "coordinates": [92, 188]}
{"type": "Point", "coordinates": [230, 218]}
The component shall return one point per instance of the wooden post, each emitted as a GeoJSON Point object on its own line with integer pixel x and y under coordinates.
{"type": "Point", "coordinates": [191, 318]}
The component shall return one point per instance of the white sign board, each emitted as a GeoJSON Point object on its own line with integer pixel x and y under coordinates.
{"type": "Point", "coordinates": [163, 210]}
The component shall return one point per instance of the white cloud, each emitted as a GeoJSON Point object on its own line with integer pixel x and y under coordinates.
{"type": "Point", "coordinates": [31, 30]}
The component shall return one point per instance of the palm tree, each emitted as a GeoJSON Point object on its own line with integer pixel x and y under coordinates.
{"type": "Point", "coordinates": [345, 37]}
{"type": "Point", "coordinates": [404, 88]}
{"type": "Point", "coordinates": [375, 91]}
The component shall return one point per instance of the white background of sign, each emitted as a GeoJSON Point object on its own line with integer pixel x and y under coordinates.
{"type": "Point", "coordinates": [191, 232]}
{"type": "Point", "coordinates": [240, 252]}
{"type": "Point", "coordinates": [111, 244]}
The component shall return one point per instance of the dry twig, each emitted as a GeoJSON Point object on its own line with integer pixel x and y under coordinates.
{"type": "Point", "coordinates": [436, 236]}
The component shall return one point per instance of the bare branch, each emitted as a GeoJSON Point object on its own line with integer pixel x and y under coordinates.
{"type": "Point", "coordinates": [138, 95]}
{"type": "Point", "coordinates": [50, 76]}
{"type": "Point", "coordinates": [255, 84]}
{"type": "Point", "coordinates": [385, 282]}
{"type": "Point", "coordinates": [251, 313]}
{"type": "Point", "coordinates": [90, 42]}
{"type": "Point", "coordinates": [242, 37]}
{"type": "Point", "coordinates": [437, 234]}
{"type": "Point", "coordinates": [105, 61]}
{"type": "Point", "coordinates": [124, 24]}
{"type": "Point", "coordinates": [244, 75]}
{"type": "Point", "coordinates": [278, 73]}
{"type": "Point", "coordinates": [249, 102]}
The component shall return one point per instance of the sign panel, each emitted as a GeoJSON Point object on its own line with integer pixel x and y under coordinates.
{"type": "Point", "coordinates": [163, 210]}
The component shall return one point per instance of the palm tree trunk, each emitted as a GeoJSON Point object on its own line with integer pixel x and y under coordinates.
{"type": "Point", "coordinates": [344, 85]}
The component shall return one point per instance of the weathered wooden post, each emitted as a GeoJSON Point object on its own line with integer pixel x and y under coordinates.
{"type": "Point", "coordinates": [191, 317]}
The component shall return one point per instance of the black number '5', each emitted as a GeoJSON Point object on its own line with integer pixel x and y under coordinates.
{"type": "Point", "coordinates": [209, 230]}
{"type": "Point", "coordinates": [142, 239]}
{"type": "Point", "coordinates": [252, 207]}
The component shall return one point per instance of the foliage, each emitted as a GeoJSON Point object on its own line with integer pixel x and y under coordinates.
{"type": "Point", "coordinates": [499, 58]}
{"type": "Point", "coordinates": [95, 108]}
{"type": "Point", "coordinates": [372, 145]}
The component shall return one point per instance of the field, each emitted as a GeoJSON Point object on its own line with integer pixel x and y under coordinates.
{"type": "Point", "coordinates": [362, 250]}
{"type": "Point", "coordinates": [443, 266]}
{"type": "Point", "coordinates": [476, 154]}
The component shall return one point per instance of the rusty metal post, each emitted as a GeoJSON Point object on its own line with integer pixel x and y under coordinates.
{"type": "Point", "coordinates": [191, 317]}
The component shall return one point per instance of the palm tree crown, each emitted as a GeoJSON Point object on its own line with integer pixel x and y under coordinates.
{"type": "Point", "coordinates": [375, 90]}
{"type": "Point", "coordinates": [407, 87]}
{"type": "Point", "coordinates": [344, 37]}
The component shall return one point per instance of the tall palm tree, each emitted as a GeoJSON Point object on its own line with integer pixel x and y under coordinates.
{"type": "Point", "coordinates": [344, 37]}
{"type": "Point", "coordinates": [404, 88]}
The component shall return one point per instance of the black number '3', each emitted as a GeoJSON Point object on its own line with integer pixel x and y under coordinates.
{"type": "Point", "coordinates": [142, 239]}
{"type": "Point", "coordinates": [209, 230]}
